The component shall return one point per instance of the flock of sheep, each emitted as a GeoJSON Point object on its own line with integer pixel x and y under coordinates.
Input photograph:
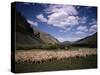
{"type": "Point", "coordinates": [41, 56]}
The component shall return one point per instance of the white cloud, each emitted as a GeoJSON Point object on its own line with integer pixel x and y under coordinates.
{"type": "Point", "coordinates": [82, 28]}
{"type": "Point", "coordinates": [65, 29]}
{"type": "Point", "coordinates": [68, 28]}
{"type": "Point", "coordinates": [70, 10]}
{"type": "Point", "coordinates": [41, 18]}
{"type": "Point", "coordinates": [70, 38]}
{"type": "Point", "coordinates": [61, 39]}
{"type": "Point", "coordinates": [83, 20]}
{"type": "Point", "coordinates": [62, 16]}
{"type": "Point", "coordinates": [93, 22]}
{"type": "Point", "coordinates": [28, 3]}
{"type": "Point", "coordinates": [78, 7]}
{"type": "Point", "coordinates": [79, 32]}
{"type": "Point", "coordinates": [82, 31]}
{"type": "Point", "coordinates": [62, 31]}
{"type": "Point", "coordinates": [32, 23]}
{"type": "Point", "coordinates": [88, 7]}
{"type": "Point", "coordinates": [93, 29]}
{"type": "Point", "coordinates": [62, 20]}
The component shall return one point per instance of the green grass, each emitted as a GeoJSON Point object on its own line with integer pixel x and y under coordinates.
{"type": "Point", "coordinates": [55, 65]}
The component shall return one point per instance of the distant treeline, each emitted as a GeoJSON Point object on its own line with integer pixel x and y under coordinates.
{"type": "Point", "coordinates": [52, 46]}
{"type": "Point", "coordinates": [85, 45]}
{"type": "Point", "coordinates": [44, 46]}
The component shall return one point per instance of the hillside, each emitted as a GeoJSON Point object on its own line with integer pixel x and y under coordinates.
{"type": "Point", "coordinates": [45, 37]}
{"type": "Point", "coordinates": [65, 44]}
{"type": "Point", "coordinates": [90, 41]}
{"type": "Point", "coordinates": [27, 37]}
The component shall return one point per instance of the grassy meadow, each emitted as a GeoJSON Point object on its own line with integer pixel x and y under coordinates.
{"type": "Point", "coordinates": [71, 63]}
{"type": "Point", "coordinates": [37, 60]}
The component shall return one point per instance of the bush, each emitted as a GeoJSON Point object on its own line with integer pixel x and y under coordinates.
{"type": "Point", "coordinates": [61, 46]}
{"type": "Point", "coordinates": [49, 46]}
{"type": "Point", "coordinates": [27, 46]}
{"type": "Point", "coordinates": [44, 46]}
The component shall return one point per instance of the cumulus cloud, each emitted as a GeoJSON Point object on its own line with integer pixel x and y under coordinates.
{"type": "Point", "coordinates": [79, 32]}
{"type": "Point", "coordinates": [65, 29]}
{"type": "Point", "coordinates": [82, 28]}
{"type": "Point", "coordinates": [93, 29]}
{"type": "Point", "coordinates": [93, 22]}
{"type": "Point", "coordinates": [59, 8]}
{"type": "Point", "coordinates": [28, 3]}
{"type": "Point", "coordinates": [61, 31]}
{"type": "Point", "coordinates": [41, 18]}
{"type": "Point", "coordinates": [82, 31]}
{"type": "Point", "coordinates": [62, 20]}
{"type": "Point", "coordinates": [32, 23]}
{"type": "Point", "coordinates": [78, 7]}
{"type": "Point", "coordinates": [62, 16]}
{"type": "Point", "coordinates": [83, 20]}
{"type": "Point", "coordinates": [61, 39]}
{"type": "Point", "coordinates": [70, 38]}
{"type": "Point", "coordinates": [88, 7]}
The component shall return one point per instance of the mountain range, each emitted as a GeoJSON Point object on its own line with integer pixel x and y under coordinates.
{"type": "Point", "coordinates": [29, 37]}
{"type": "Point", "coordinates": [90, 41]}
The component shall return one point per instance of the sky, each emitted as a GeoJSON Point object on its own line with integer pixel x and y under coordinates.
{"type": "Point", "coordinates": [64, 22]}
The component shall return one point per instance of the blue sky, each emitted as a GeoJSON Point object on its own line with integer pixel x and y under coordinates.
{"type": "Point", "coordinates": [64, 22]}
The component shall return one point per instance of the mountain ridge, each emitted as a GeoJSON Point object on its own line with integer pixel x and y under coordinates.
{"type": "Point", "coordinates": [27, 36]}
{"type": "Point", "coordinates": [90, 41]}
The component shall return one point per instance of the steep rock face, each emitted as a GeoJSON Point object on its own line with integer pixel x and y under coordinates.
{"type": "Point", "coordinates": [27, 36]}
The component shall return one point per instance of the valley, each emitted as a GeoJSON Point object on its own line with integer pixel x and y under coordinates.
{"type": "Point", "coordinates": [40, 51]}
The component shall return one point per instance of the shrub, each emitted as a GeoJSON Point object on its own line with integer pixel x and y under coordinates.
{"type": "Point", "coordinates": [49, 46]}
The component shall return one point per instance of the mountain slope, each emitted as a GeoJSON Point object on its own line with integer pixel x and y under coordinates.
{"type": "Point", "coordinates": [45, 37]}
{"type": "Point", "coordinates": [24, 33]}
{"type": "Point", "coordinates": [30, 37]}
{"type": "Point", "coordinates": [65, 43]}
{"type": "Point", "coordinates": [90, 41]}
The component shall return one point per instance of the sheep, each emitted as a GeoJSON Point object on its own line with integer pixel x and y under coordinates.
{"type": "Point", "coordinates": [39, 57]}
